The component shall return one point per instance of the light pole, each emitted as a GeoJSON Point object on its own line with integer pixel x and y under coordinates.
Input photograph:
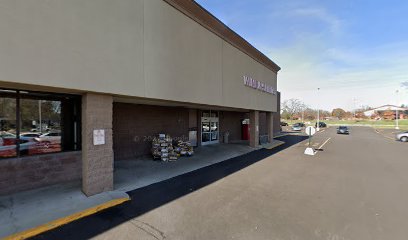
{"type": "Point", "coordinates": [354, 110]}
{"type": "Point", "coordinates": [39, 115]}
{"type": "Point", "coordinates": [396, 112]}
{"type": "Point", "coordinates": [318, 117]}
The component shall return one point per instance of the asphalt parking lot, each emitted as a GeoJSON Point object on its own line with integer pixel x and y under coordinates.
{"type": "Point", "coordinates": [353, 188]}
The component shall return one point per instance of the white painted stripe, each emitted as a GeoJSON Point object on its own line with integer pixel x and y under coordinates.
{"type": "Point", "coordinates": [380, 133]}
{"type": "Point", "coordinates": [324, 143]}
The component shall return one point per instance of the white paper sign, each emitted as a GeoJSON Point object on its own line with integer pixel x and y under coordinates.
{"type": "Point", "coordinates": [99, 137]}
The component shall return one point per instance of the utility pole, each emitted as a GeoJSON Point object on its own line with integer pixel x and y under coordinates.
{"type": "Point", "coordinates": [354, 108]}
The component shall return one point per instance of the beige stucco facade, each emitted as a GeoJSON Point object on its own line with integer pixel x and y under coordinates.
{"type": "Point", "coordinates": [141, 67]}
{"type": "Point", "coordinates": [135, 48]}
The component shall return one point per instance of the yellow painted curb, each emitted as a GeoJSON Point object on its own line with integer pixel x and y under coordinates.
{"type": "Point", "coordinates": [65, 220]}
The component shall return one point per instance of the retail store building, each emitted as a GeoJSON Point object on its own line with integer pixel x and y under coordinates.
{"type": "Point", "coordinates": [99, 78]}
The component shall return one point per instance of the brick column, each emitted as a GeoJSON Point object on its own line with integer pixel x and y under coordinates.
{"type": "Point", "coordinates": [254, 129]}
{"type": "Point", "coordinates": [269, 126]}
{"type": "Point", "coordinates": [97, 160]}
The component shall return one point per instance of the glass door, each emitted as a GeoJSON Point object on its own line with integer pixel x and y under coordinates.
{"type": "Point", "coordinates": [214, 131]}
{"type": "Point", "coordinates": [205, 131]}
{"type": "Point", "coordinates": [209, 128]}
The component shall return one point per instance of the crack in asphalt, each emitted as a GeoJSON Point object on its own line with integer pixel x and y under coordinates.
{"type": "Point", "coordinates": [149, 229]}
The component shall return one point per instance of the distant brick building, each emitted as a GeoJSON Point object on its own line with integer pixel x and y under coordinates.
{"type": "Point", "coordinates": [387, 112]}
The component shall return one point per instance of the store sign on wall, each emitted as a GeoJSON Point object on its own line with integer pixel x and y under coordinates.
{"type": "Point", "coordinates": [255, 84]}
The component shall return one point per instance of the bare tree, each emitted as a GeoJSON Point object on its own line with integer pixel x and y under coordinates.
{"type": "Point", "coordinates": [291, 107]}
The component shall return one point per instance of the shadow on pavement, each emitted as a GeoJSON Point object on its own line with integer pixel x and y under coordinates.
{"type": "Point", "coordinates": [150, 197]}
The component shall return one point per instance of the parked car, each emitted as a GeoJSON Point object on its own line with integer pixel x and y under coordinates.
{"type": "Point", "coordinates": [403, 137]}
{"type": "Point", "coordinates": [300, 124]}
{"type": "Point", "coordinates": [296, 127]}
{"type": "Point", "coordinates": [29, 136]}
{"type": "Point", "coordinates": [4, 134]}
{"type": "Point", "coordinates": [343, 130]}
{"type": "Point", "coordinates": [283, 123]}
{"type": "Point", "coordinates": [8, 144]}
{"type": "Point", "coordinates": [51, 137]}
{"type": "Point", "coordinates": [321, 125]}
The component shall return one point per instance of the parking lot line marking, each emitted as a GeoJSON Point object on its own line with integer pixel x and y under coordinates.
{"type": "Point", "coordinates": [379, 132]}
{"type": "Point", "coordinates": [320, 148]}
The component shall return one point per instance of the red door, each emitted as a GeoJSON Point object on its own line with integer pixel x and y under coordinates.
{"type": "Point", "coordinates": [245, 129]}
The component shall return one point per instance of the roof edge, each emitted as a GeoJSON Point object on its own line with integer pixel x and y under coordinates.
{"type": "Point", "coordinates": [203, 17]}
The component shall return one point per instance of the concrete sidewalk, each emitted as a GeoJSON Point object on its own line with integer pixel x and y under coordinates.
{"type": "Point", "coordinates": [31, 209]}
{"type": "Point", "coordinates": [130, 175]}
{"type": "Point", "coordinates": [43, 209]}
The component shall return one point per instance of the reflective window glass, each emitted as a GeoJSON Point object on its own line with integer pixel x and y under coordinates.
{"type": "Point", "coordinates": [37, 123]}
{"type": "Point", "coordinates": [8, 140]}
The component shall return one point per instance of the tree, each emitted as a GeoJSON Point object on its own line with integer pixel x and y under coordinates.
{"type": "Point", "coordinates": [339, 113]}
{"type": "Point", "coordinates": [310, 114]}
{"type": "Point", "coordinates": [291, 107]}
{"type": "Point", "coordinates": [348, 115]}
{"type": "Point", "coordinates": [324, 114]}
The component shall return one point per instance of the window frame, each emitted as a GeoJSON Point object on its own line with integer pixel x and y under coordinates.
{"type": "Point", "coordinates": [18, 95]}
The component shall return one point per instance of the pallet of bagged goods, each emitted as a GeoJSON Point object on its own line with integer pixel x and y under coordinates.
{"type": "Point", "coordinates": [185, 148]}
{"type": "Point", "coordinates": [162, 148]}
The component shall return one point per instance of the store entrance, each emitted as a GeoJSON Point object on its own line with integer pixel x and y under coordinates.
{"type": "Point", "coordinates": [209, 127]}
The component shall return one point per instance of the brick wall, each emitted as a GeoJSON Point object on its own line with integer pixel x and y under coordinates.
{"type": "Point", "coordinates": [19, 174]}
{"type": "Point", "coordinates": [97, 160]}
{"type": "Point", "coordinates": [135, 125]}
{"type": "Point", "coordinates": [262, 124]}
{"type": "Point", "coordinates": [231, 121]}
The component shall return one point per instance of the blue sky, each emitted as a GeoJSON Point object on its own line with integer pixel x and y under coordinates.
{"type": "Point", "coordinates": [356, 52]}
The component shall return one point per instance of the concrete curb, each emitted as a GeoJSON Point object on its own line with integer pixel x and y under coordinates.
{"type": "Point", "coordinates": [282, 135]}
{"type": "Point", "coordinates": [274, 144]}
{"type": "Point", "coordinates": [65, 220]}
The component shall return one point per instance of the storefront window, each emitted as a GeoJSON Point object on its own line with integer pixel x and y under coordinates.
{"type": "Point", "coordinates": [205, 114]}
{"type": "Point", "coordinates": [8, 146]}
{"type": "Point", "coordinates": [47, 123]}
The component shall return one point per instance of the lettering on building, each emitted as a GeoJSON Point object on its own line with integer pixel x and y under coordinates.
{"type": "Point", "coordinates": [255, 84]}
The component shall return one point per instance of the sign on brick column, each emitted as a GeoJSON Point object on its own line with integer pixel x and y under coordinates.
{"type": "Point", "coordinates": [97, 145]}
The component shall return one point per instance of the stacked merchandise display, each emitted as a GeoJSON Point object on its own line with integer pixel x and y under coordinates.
{"type": "Point", "coordinates": [164, 150]}
{"type": "Point", "coordinates": [185, 148]}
